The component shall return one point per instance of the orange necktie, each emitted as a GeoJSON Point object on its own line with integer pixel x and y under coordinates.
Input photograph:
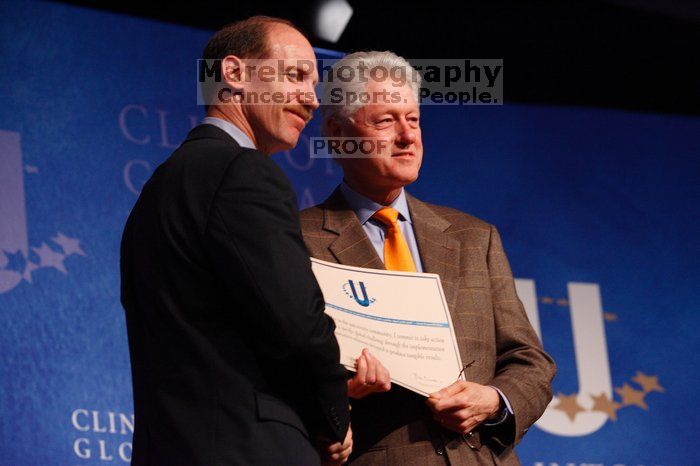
{"type": "Point", "coordinates": [397, 256]}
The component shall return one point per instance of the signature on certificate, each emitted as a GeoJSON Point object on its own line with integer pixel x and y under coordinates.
{"type": "Point", "coordinates": [426, 380]}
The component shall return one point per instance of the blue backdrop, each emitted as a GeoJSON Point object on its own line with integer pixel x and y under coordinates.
{"type": "Point", "coordinates": [597, 209]}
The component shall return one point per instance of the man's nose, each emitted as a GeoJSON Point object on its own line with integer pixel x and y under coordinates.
{"type": "Point", "coordinates": [308, 98]}
{"type": "Point", "coordinates": [314, 104]}
{"type": "Point", "coordinates": [406, 134]}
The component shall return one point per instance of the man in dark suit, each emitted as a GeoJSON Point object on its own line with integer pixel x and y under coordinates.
{"type": "Point", "coordinates": [233, 360]}
{"type": "Point", "coordinates": [370, 221]}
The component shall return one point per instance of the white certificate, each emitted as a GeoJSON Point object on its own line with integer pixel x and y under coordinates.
{"type": "Point", "coordinates": [401, 317]}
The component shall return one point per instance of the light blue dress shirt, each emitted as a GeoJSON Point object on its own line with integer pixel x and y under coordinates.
{"type": "Point", "coordinates": [364, 208]}
{"type": "Point", "coordinates": [239, 136]}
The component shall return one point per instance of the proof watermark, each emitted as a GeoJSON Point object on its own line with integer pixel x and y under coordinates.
{"type": "Point", "coordinates": [278, 81]}
{"type": "Point", "coordinates": [351, 148]}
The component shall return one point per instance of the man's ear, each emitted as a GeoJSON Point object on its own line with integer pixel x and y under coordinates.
{"type": "Point", "coordinates": [233, 72]}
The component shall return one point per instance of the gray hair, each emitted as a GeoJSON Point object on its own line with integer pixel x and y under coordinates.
{"type": "Point", "coordinates": [344, 78]}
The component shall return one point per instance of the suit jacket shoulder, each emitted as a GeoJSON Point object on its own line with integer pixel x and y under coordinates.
{"type": "Point", "coordinates": [456, 217]}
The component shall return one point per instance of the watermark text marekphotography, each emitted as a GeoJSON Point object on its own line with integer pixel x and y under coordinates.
{"type": "Point", "coordinates": [277, 81]}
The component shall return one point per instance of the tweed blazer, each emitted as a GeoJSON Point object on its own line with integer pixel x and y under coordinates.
{"type": "Point", "coordinates": [491, 327]}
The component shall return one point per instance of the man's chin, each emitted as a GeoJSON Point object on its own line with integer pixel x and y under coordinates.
{"type": "Point", "coordinates": [292, 142]}
{"type": "Point", "coordinates": [407, 178]}
{"type": "Point", "coordinates": [286, 144]}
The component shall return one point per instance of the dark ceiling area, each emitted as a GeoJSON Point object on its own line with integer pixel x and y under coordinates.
{"type": "Point", "coordinates": [639, 55]}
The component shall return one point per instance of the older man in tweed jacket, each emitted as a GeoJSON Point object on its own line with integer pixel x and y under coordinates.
{"type": "Point", "coordinates": [370, 221]}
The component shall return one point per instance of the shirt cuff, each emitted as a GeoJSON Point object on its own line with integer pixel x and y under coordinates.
{"type": "Point", "coordinates": [505, 412]}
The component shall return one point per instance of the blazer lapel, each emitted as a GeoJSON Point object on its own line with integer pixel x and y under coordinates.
{"type": "Point", "coordinates": [438, 251]}
{"type": "Point", "coordinates": [352, 246]}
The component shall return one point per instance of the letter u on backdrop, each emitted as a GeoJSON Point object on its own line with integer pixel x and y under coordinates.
{"type": "Point", "coordinates": [591, 353]}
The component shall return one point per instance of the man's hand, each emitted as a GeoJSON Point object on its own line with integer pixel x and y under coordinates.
{"type": "Point", "coordinates": [371, 377]}
{"type": "Point", "coordinates": [337, 453]}
{"type": "Point", "coordinates": [464, 405]}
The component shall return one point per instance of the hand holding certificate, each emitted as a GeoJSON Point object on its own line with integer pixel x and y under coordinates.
{"type": "Point", "coordinates": [370, 377]}
{"type": "Point", "coordinates": [401, 317]}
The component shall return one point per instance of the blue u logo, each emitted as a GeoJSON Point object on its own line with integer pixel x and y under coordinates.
{"type": "Point", "coordinates": [365, 300]}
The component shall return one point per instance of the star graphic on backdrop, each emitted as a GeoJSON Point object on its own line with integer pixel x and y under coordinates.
{"type": "Point", "coordinates": [31, 169]}
{"type": "Point", "coordinates": [28, 269]}
{"type": "Point", "coordinates": [649, 383]}
{"type": "Point", "coordinates": [569, 405]}
{"type": "Point", "coordinates": [606, 405]}
{"type": "Point", "coordinates": [69, 245]}
{"type": "Point", "coordinates": [610, 316]}
{"type": "Point", "coordinates": [547, 300]}
{"type": "Point", "coordinates": [50, 258]}
{"type": "Point", "coordinates": [630, 396]}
